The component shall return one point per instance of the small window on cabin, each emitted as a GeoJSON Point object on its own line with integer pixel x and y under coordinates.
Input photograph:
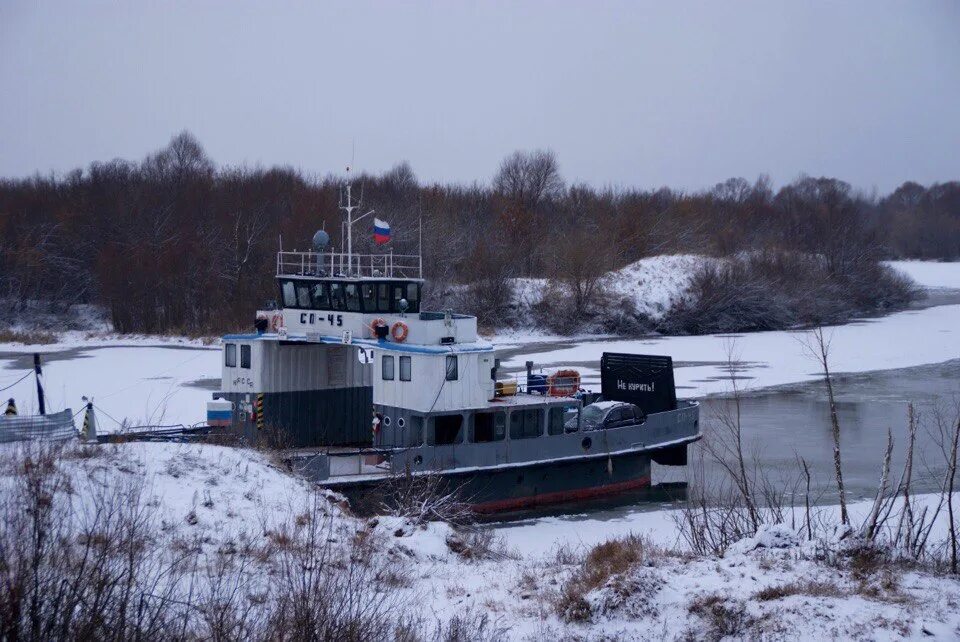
{"type": "Point", "coordinates": [383, 297]}
{"type": "Point", "coordinates": [413, 296]}
{"type": "Point", "coordinates": [397, 295]}
{"type": "Point", "coordinates": [555, 425]}
{"type": "Point", "coordinates": [353, 297]}
{"type": "Point", "coordinates": [387, 368]}
{"type": "Point", "coordinates": [405, 368]}
{"type": "Point", "coordinates": [336, 296]}
{"type": "Point", "coordinates": [526, 424]}
{"type": "Point", "coordinates": [230, 355]}
{"type": "Point", "coordinates": [320, 295]}
{"type": "Point", "coordinates": [244, 355]}
{"type": "Point", "coordinates": [416, 430]}
{"type": "Point", "coordinates": [447, 429]}
{"type": "Point", "coordinates": [369, 296]}
{"type": "Point", "coordinates": [452, 374]}
{"type": "Point", "coordinates": [488, 426]}
{"type": "Point", "coordinates": [289, 294]}
{"type": "Point", "coordinates": [303, 296]}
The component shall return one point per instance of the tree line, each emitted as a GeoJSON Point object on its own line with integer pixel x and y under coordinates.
{"type": "Point", "coordinates": [174, 243]}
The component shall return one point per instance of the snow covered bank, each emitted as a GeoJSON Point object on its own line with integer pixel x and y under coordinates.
{"type": "Point", "coordinates": [251, 534]}
{"type": "Point", "coordinates": [900, 340]}
{"type": "Point", "coordinates": [930, 274]}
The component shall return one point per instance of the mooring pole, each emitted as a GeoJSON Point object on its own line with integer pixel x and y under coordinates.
{"type": "Point", "coordinates": [39, 372]}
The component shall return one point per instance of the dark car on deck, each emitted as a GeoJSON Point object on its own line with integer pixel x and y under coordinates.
{"type": "Point", "coordinates": [607, 414]}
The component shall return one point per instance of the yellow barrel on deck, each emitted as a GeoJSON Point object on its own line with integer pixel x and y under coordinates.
{"type": "Point", "coordinates": [505, 388]}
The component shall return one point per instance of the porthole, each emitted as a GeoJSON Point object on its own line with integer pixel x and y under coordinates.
{"type": "Point", "coordinates": [418, 460]}
{"type": "Point", "coordinates": [586, 443]}
{"type": "Point", "coordinates": [386, 421]}
{"type": "Point", "coordinates": [401, 423]}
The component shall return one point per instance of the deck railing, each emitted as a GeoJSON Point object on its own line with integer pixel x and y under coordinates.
{"type": "Point", "coordinates": [390, 265]}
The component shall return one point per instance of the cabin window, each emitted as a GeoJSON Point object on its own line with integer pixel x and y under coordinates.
{"type": "Point", "coordinates": [405, 368]}
{"type": "Point", "coordinates": [452, 374]}
{"type": "Point", "coordinates": [353, 297]}
{"type": "Point", "coordinates": [387, 368]}
{"type": "Point", "coordinates": [244, 355]}
{"type": "Point", "coordinates": [526, 424]}
{"type": "Point", "coordinates": [397, 295]}
{"type": "Point", "coordinates": [488, 426]}
{"type": "Point", "coordinates": [230, 355]}
{"type": "Point", "coordinates": [303, 296]}
{"type": "Point", "coordinates": [369, 296]}
{"type": "Point", "coordinates": [289, 294]}
{"type": "Point", "coordinates": [320, 295]}
{"type": "Point", "coordinates": [413, 296]}
{"type": "Point", "coordinates": [555, 425]}
{"type": "Point", "coordinates": [383, 297]}
{"type": "Point", "coordinates": [416, 430]}
{"type": "Point", "coordinates": [447, 429]}
{"type": "Point", "coordinates": [336, 297]}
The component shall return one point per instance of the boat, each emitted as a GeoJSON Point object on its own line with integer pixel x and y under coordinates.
{"type": "Point", "coordinates": [361, 388]}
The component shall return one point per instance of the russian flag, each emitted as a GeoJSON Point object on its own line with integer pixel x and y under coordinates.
{"type": "Point", "coordinates": [381, 231]}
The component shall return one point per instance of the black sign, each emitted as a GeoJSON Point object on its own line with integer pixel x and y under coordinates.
{"type": "Point", "coordinates": [644, 380]}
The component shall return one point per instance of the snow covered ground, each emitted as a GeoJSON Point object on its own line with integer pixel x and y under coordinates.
{"type": "Point", "coordinates": [543, 580]}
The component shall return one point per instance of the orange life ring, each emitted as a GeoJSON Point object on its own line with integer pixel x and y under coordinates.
{"type": "Point", "coordinates": [276, 322]}
{"type": "Point", "coordinates": [375, 323]}
{"type": "Point", "coordinates": [563, 383]}
{"type": "Point", "coordinates": [399, 331]}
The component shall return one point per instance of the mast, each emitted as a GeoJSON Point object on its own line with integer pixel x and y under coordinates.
{"type": "Point", "coordinates": [348, 208]}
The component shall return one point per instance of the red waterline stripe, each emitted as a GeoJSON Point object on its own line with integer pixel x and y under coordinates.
{"type": "Point", "coordinates": [520, 503]}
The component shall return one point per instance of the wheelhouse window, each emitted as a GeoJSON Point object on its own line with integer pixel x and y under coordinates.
{"type": "Point", "coordinates": [320, 294]}
{"type": "Point", "coordinates": [383, 297]}
{"type": "Point", "coordinates": [445, 430]}
{"type": "Point", "coordinates": [555, 423]}
{"type": "Point", "coordinates": [244, 356]}
{"type": "Point", "coordinates": [303, 296]}
{"type": "Point", "coordinates": [289, 292]}
{"type": "Point", "coordinates": [230, 355]}
{"type": "Point", "coordinates": [413, 296]}
{"type": "Point", "coordinates": [452, 374]}
{"type": "Point", "coordinates": [353, 297]}
{"type": "Point", "coordinates": [387, 367]}
{"type": "Point", "coordinates": [488, 426]}
{"type": "Point", "coordinates": [368, 293]}
{"type": "Point", "coordinates": [405, 368]}
{"type": "Point", "coordinates": [337, 301]}
{"type": "Point", "coordinates": [526, 423]}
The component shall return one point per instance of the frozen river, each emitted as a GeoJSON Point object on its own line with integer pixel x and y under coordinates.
{"type": "Point", "coordinates": [886, 362]}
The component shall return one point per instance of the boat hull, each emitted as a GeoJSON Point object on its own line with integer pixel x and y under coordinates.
{"type": "Point", "coordinates": [518, 488]}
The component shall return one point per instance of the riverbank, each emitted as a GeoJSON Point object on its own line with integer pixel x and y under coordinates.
{"type": "Point", "coordinates": [225, 531]}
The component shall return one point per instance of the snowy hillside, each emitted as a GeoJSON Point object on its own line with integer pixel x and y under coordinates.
{"type": "Point", "coordinates": [656, 283]}
{"type": "Point", "coordinates": [213, 518]}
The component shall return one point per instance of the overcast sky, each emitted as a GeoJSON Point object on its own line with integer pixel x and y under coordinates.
{"type": "Point", "coordinates": [627, 94]}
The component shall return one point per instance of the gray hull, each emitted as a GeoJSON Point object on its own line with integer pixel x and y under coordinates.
{"type": "Point", "coordinates": [519, 488]}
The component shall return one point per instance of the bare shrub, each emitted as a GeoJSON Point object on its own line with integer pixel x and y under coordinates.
{"type": "Point", "coordinates": [81, 568]}
{"type": "Point", "coordinates": [614, 557]}
{"type": "Point", "coordinates": [723, 616]}
{"type": "Point", "coordinates": [424, 497]}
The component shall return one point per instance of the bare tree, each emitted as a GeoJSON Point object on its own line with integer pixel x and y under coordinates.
{"type": "Point", "coordinates": [818, 345]}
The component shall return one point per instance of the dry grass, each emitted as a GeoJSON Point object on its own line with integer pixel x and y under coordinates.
{"type": "Point", "coordinates": [27, 337]}
{"type": "Point", "coordinates": [812, 588]}
{"type": "Point", "coordinates": [603, 561]}
{"type": "Point", "coordinates": [724, 617]}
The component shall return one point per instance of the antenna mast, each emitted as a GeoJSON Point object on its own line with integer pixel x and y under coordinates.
{"type": "Point", "coordinates": [348, 208]}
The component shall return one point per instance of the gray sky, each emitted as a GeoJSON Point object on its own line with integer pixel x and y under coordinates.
{"type": "Point", "coordinates": [629, 94]}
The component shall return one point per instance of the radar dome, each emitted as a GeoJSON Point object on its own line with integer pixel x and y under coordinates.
{"type": "Point", "coordinates": [321, 240]}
